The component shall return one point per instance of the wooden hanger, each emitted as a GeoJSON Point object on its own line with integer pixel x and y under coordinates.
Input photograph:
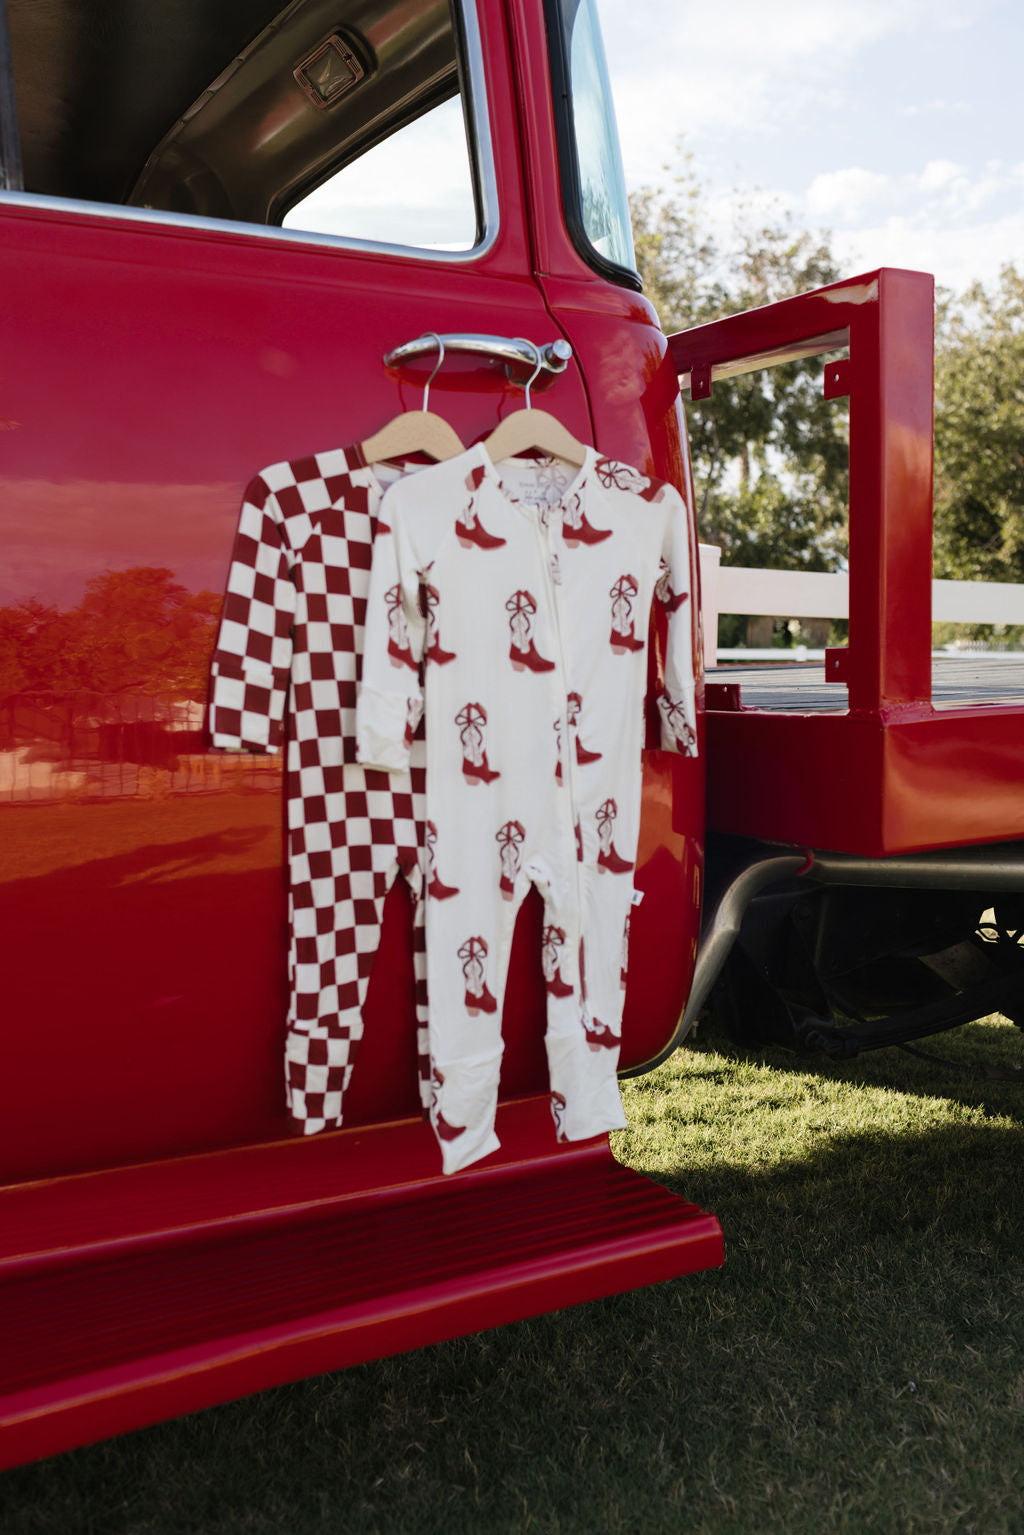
{"type": "Point", "coordinates": [537, 429]}
{"type": "Point", "coordinates": [416, 431]}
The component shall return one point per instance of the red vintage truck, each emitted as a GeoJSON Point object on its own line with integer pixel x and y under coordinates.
{"type": "Point", "coordinates": [174, 320]}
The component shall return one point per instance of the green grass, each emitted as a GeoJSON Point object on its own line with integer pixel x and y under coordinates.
{"type": "Point", "coordinates": [857, 1366]}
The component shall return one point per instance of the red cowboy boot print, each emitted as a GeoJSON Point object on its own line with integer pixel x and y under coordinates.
{"type": "Point", "coordinates": [413, 715]}
{"type": "Point", "coordinates": [678, 726]}
{"type": "Point", "coordinates": [608, 859]}
{"type": "Point", "coordinates": [576, 529]}
{"type": "Point", "coordinates": [558, 1115]}
{"type": "Point", "coordinates": [434, 651]}
{"type": "Point", "coordinates": [469, 530]}
{"type": "Point", "coordinates": [558, 751]}
{"type": "Point", "coordinates": [446, 1131]}
{"type": "Point", "coordinates": [435, 886]}
{"type": "Point", "coordinates": [472, 718]}
{"type": "Point", "coordinates": [664, 593]}
{"type": "Point", "coordinates": [521, 607]}
{"type": "Point", "coordinates": [399, 644]}
{"type": "Point", "coordinates": [574, 709]}
{"type": "Point", "coordinates": [478, 999]}
{"type": "Point", "coordinates": [510, 840]}
{"type": "Point", "coordinates": [552, 940]}
{"type": "Point", "coordinates": [599, 1035]}
{"type": "Point", "coordinates": [623, 640]}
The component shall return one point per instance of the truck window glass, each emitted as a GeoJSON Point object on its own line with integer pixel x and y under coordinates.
{"type": "Point", "coordinates": [598, 207]}
{"type": "Point", "coordinates": [414, 189]}
{"type": "Point", "coordinates": [264, 113]}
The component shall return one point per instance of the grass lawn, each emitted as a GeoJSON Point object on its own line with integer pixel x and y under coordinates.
{"type": "Point", "coordinates": [858, 1365]}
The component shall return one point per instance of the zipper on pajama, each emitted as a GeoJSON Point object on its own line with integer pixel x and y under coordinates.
{"type": "Point", "coordinates": [568, 754]}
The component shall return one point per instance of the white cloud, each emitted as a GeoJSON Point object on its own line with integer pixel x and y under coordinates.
{"type": "Point", "coordinates": [940, 106]}
{"type": "Point", "coordinates": [938, 174]}
{"type": "Point", "coordinates": [720, 75]}
{"type": "Point", "coordinates": [826, 106]}
{"type": "Point", "coordinates": [844, 194]}
{"type": "Point", "coordinates": [959, 222]}
{"type": "Point", "coordinates": [940, 186]}
{"type": "Point", "coordinates": [956, 256]}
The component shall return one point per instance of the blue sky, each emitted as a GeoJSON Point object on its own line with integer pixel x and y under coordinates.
{"type": "Point", "coordinates": [896, 124]}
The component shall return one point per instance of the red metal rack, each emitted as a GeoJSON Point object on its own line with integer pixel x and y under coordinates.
{"type": "Point", "coordinates": [888, 773]}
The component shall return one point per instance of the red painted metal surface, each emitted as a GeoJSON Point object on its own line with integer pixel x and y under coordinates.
{"type": "Point", "coordinates": [143, 1307]}
{"type": "Point", "coordinates": [889, 316]}
{"type": "Point", "coordinates": [152, 369]}
{"type": "Point", "coordinates": [891, 775]}
{"type": "Point", "coordinates": [855, 785]}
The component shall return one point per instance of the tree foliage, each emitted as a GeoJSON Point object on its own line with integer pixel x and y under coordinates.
{"type": "Point", "coordinates": [135, 630]}
{"type": "Point", "coordinates": [770, 454]}
{"type": "Point", "coordinates": [979, 432]}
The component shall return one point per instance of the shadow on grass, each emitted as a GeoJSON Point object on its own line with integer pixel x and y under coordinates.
{"type": "Point", "coordinates": [855, 1366]}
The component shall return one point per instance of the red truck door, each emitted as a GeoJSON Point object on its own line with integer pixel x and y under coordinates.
{"type": "Point", "coordinates": [154, 363]}
{"type": "Point", "coordinates": [164, 1244]}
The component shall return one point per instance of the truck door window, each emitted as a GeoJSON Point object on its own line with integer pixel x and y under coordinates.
{"type": "Point", "coordinates": [597, 207]}
{"type": "Point", "coordinates": [363, 119]}
{"type": "Point", "coordinates": [414, 189]}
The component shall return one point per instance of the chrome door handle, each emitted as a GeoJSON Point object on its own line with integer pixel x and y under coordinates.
{"type": "Point", "coordinates": [515, 353]}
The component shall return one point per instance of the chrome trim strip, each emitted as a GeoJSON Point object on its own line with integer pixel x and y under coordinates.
{"type": "Point", "coordinates": [478, 119]}
{"type": "Point", "coordinates": [719, 937]}
{"type": "Point", "coordinates": [478, 124]}
{"type": "Point", "coordinates": [272, 234]}
{"type": "Point", "coordinates": [10, 145]}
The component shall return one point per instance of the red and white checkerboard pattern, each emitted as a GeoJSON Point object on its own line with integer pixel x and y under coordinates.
{"type": "Point", "coordinates": [289, 651]}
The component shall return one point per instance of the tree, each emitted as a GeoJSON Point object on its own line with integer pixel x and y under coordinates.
{"type": "Point", "coordinates": [770, 454]}
{"type": "Point", "coordinates": [979, 432]}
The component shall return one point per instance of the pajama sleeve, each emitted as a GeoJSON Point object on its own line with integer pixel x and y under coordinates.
{"type": "Point", "coordinates": [676, 704]}
{"type": "Point", "coordinates": [390, 698]}
{"type": "Point", "coordinates": [251, 663]}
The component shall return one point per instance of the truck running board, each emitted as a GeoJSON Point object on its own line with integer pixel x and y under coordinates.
{"type": "Point", "coordinates": [138, 1294]}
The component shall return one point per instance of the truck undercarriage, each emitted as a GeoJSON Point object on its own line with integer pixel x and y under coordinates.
{"type": "Point", "coordinates": [852, 956]}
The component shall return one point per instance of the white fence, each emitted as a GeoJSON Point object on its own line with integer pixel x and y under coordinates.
{"type": "Point", "coordinates": [813, 594]}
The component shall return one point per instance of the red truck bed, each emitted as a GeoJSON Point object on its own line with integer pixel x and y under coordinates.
{"type": "Point", "coordinates": [873, 756]}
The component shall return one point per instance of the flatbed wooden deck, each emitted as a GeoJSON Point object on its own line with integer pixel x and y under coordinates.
{"type": "Point", "coordinates": [797, 687]}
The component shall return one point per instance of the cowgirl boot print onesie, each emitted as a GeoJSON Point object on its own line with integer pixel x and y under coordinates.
{"type": "Point", "coordinates": [289, 650]}
{"type": "Point", "coordinates": [542, 595]}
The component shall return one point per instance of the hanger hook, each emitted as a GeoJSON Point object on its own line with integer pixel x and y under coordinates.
{"type": "Point", "coordinates": [437, 366]}
{"type": "Point", "coordinates": [535, 349]}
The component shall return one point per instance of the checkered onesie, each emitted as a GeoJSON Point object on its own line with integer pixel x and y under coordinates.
{"type": "Point", "coordinates": [290, 641]}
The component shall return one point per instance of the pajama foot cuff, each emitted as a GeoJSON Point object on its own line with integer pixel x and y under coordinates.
{"type": "Point", "coordinates": [455, 1155]}
{"type": "Point", "coordinates": [584, 1089]}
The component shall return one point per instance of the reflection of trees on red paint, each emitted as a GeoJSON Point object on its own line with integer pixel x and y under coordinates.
{"type": "Point", "coordinates": [135, 630]}
{"type": "Point", "coordinates": [107, 698]}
